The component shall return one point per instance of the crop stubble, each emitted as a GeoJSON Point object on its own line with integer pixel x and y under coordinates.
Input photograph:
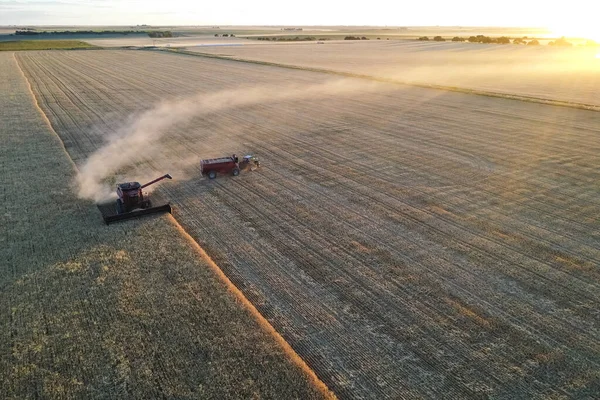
{"type": "Point", "coordinates": [406, 243]}
{"type": "Point", "coordinates": [90, 311]}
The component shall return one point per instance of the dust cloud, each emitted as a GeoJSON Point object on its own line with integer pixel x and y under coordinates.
{"type": "Point", "coordinates": [138, 140]}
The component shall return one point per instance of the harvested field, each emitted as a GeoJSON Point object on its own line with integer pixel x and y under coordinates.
{"type": "Point", "coordinates": [565, 74]}
{"type": "Point", "coordinates": [126, 311]}
{"type": "Point", "coordinates": [407, 242]}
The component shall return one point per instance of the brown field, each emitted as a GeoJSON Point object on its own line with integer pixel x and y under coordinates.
{"type": "Point", "coordinates": [406, 242]}
{"type": "Point", "coordinates": [126, 311]}
{"type": "Point", "coordinates": [545, 72]}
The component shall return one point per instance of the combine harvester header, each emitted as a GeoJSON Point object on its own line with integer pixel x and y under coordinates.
{"type": "Point", "coordinates": [132, 202]}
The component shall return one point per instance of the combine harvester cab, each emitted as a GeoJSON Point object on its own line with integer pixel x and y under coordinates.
{"type": "Point", "coordinates": [133, 203]}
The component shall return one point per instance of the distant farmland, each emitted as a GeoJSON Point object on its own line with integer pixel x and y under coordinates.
{"type": "Point", "coordinates": [544, 72]}
{"type": "Point", "coordinates": [19, 45]}
{"type": "Point", "coordinates": [406, 242]}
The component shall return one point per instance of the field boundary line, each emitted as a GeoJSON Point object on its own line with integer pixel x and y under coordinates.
{"type": "Point", "coordinates": [43, 114]}
{"type": "Point", "coordinates": [508, 96]}
{"type": "Point", "coordinates": [258, 317]}
{"type": "Point", "coordinates": [262, 321]}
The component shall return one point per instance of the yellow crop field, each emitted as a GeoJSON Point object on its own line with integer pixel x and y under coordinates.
{"type": "Point", "coordinates": [407, 242]}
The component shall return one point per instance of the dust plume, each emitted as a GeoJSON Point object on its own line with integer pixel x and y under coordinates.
{"type": "Point", "coordinates": [138, 139]}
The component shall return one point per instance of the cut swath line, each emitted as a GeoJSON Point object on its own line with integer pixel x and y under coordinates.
{"type": "Point", "coordinates": [288, 350]}
{"type": "Point", "coordinates": [42, 113]}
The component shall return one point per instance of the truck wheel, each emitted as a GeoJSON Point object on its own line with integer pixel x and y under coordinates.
{"type": "Point", "coordinates": [235, 172]}
{"type": "Point", "coordinates": [212, 175]}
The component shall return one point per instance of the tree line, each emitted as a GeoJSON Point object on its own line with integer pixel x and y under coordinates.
{"type": "Point", "coordinates": [505, 40]}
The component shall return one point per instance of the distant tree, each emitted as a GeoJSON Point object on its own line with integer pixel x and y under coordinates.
{"type": "Point", "coordinates": [458, 39]}
{"type": "Point", "coordinates": [533, 42]}
{"type": "Point", "coordinates": [160, 34]}
{"type": "Point", "coordinates": [439, 39]}
{"type": "Point", "coordinates": [217, 35]}
{"type": "Point", "coordinates": [561, 42]}
{"type": "Point", "coordinates": [364, 38]}
{"type": "Point", "coordinates": [519, 41]}
{"type": "Point", "coordinates": [503, 40]}
{"type": "Point", "coordinates": [473, 39]}
{"type": "Point", "coordinates": [226, 35]}
{"type": "Point", "coordinates": [378, 38]}
{"type": "Point", "coordinates": [423, 38]}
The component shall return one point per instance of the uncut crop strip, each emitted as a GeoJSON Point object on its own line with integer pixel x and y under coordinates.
{"type": "Point", "coordinates": [432, 237]}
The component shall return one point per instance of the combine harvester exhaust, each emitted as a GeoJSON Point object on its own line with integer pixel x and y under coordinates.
{"type": "Point", "coordinates": [133, 202]}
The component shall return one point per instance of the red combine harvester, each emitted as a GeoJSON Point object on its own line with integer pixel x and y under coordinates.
{"type": "Point", "coordinates": [225, 165]}
{"type": "Point", "coordinates": [133, 202]}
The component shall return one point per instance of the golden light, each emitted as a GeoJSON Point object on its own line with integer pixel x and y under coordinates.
{"type": "Point", "coordinates": [579, 30]}
{"type": "Point", "coordinates": [580, 33]}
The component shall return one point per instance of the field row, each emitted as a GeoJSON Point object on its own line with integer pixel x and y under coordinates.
{"type": "Point", "coordinates": [406, 242]}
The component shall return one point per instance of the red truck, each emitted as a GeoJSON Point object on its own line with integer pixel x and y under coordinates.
{"type": "Point", "coordinates": [226, 165]}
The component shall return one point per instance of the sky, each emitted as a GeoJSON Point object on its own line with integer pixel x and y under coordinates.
{"type": "Point", "coordinates": [571, 15]}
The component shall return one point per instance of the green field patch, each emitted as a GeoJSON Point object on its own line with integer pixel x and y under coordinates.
{"type": "Point", "coordinates": [18, 45]}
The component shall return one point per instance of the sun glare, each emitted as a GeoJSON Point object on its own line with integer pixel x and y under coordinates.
{"type": "Point", "coordinates": [577, 31]}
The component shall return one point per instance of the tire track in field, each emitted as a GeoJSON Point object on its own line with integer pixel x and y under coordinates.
{"type": "Point", "coordinates": [385, 155]}
{"type": "Point", "coordinates": [489, 254]}
{"type": "Point", "coordinates": [329, 154]}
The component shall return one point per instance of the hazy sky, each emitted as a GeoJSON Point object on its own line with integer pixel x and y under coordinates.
{"type": "Point", "coordinates": [542, 13]}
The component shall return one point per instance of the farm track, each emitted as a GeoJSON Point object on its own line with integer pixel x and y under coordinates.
{"type": "Point", "coordinates": [406, 243]}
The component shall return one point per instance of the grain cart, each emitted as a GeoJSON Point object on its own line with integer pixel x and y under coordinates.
{"type": "Point", "coordinates": [133, 202]}
{"type": "Point", "coordinates": [224, 165]}
{"type": "Point", "coordinates": [212, 166]}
